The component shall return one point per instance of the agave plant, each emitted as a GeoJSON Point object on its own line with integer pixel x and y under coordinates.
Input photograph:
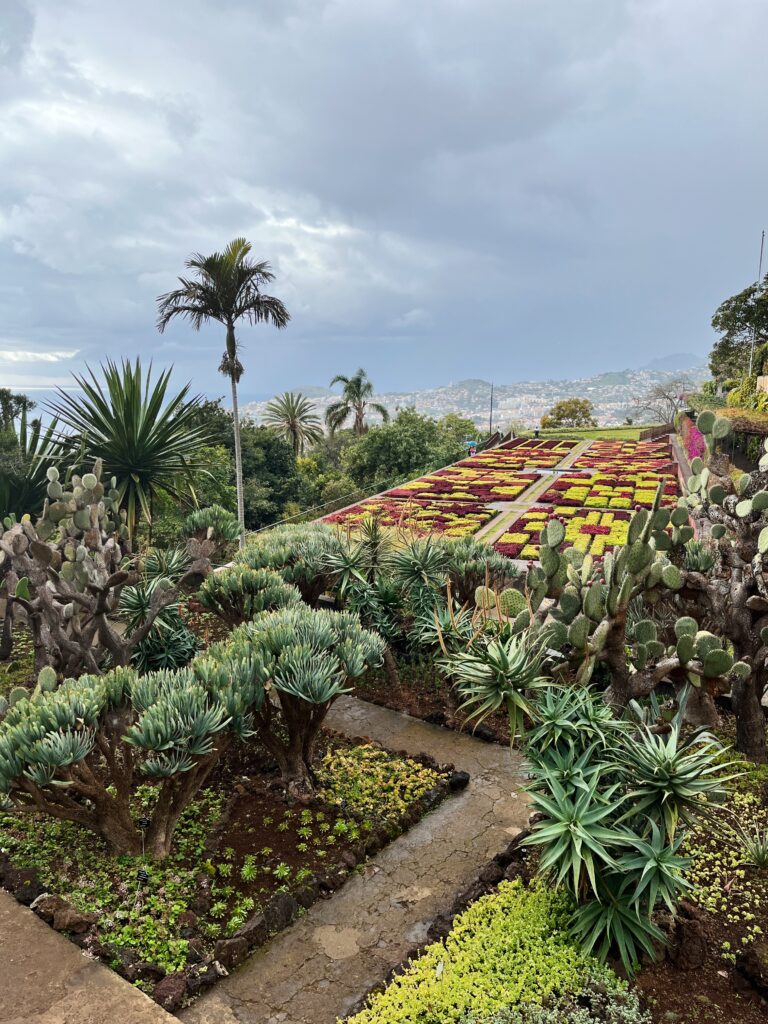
{"type": "Point", "coordinates": [657, 869]}
{"type": "Point", "coordinates": [496, 676]}
{"type": "Point", "coordinates": [699, 556]}
{"type": "Point", "coordinates": [421, 570]}
{"type": "Point", "coordinates": [613, 920]}
{"type": "Point", "coordinates": [672, 778]}
{"type": "Point", "coordinates": [571, 716]}
{"type": "Point", "coordinates": [577, 831]}
{"type": "Point", "coordinates": [145, 437]}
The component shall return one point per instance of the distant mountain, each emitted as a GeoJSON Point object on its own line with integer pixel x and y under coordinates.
{"type": "Point", "coordinates": [675, 362]}
{"type": "Point", "coordinates": [613, 395]}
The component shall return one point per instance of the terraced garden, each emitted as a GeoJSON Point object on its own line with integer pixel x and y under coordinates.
{"type": "Point", "coordinates": [507, 495]}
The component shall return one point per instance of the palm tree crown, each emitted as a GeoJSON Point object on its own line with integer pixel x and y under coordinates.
{"type": "Point", "coordinates": [292, 416]}
{"type": "Point", "coordinates": [226, 287]}
{"type": "Point", "coordinates": [147, 441]}
{"type": "Point", "coordinates": [355, 401]}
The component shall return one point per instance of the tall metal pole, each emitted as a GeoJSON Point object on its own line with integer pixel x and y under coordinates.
{"type": "Point", "coordinates": [757, 298]}
{"type": "Point", "coordinates": [490, 418]}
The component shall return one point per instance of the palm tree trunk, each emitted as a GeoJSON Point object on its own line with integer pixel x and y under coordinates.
{"type": "Point", "coordinates": [238, 462]}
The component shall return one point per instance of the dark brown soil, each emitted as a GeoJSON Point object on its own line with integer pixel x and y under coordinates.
{"type": "Point", "coordinates": [425, 693]}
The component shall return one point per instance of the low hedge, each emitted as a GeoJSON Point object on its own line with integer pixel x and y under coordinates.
{"type": "Point", "coordinates": [508, 948]}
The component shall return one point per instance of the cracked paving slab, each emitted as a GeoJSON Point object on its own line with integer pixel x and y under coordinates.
{"type": "Point", "coordinates": [318, 969]}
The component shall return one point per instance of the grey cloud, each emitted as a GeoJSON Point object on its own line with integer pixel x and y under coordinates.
{"type": "Point", "coordinates": [514, 187]}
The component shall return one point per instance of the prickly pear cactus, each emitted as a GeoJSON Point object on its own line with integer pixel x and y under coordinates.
{"type": "Point", "coordinates": [67, 571]}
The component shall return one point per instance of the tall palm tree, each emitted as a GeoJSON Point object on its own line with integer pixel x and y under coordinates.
{"type": "Point", "coordinates": [145, 438]}
{"type": "Point", "coordinates": [291, 415]}
{"type": "Point", "coordinates": [355, 400]}
{"type": "Point", "coordinates": [226, 287]}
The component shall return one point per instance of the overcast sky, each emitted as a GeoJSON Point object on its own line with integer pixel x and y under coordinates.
{"type": "Point", "coordinates": [505, 189]}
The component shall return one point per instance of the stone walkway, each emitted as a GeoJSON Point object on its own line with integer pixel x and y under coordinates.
{"type": "Point", "coordinates": [317, 969]}
{"type": "Point", "coordinates": [45, 979]}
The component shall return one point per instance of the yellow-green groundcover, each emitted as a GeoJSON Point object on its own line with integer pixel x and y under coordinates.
{"type": "Point", "coordinates": [509, 947]}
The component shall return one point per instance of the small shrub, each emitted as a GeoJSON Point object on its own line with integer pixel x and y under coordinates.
{"type": "Point", "coordinates": [508, 948]}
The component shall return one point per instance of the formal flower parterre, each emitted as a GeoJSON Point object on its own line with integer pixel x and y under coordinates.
{"type": "Point", "coordinates": [613, 491]}
{"type": "Point", "coordinates": [466, 482]}
{"type": "Point", "coordinates": [627, 457]}
{"type": "Point", "coordinates": [593, 531]}
{"type": "Point", "coordinates": [450, 518]}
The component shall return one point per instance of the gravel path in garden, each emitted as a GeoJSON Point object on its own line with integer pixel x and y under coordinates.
{"type": "Point", "coordinates": [320, 967]}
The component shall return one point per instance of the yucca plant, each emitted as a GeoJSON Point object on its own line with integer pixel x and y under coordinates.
{"type": "Point", "coordinates": [146, 437]}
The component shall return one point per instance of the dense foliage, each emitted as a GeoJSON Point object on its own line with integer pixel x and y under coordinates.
{"type": "Point", "coordinates": [507, 949]}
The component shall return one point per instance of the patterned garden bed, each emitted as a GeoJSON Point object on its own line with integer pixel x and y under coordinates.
{"type": "Point", "coordinates": [590, 530]}
{"type": "Point", "coordinates": [467, 482]}
{"type": "Point", "coordinates": [610, 491]}
{"type": "Point", "coordinates": [626, 457]}
{"type": "Point", "coordinates": [450, 518]}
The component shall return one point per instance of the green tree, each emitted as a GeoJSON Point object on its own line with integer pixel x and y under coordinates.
{"type": "Point", "coordinates": [12, 405]}
{"type": "Point", "coordinates": [271, 479]}
{"type": "Point", "coordinates": [226, 288]}
{"type": "Point", "coordinates": [570, 412]}
{"type": "Point", "coordinates": [741, 321]}
{"type": "Point", "coordinates": [355, 401]}
{"type": "Point", "coordinates": [144, 437]}
{"type": "Point", "coordinates": [213, 484]}
{"type": "Point", "coordinates": [409, 444]}
{"type": "Point", "coordinates": [292, 416]}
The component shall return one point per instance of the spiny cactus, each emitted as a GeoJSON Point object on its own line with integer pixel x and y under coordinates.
{"type": "Point", "coordinates": [68, 570]}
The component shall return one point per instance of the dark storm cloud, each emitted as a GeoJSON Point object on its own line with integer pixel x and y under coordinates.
{"type": "Point", "coordinates": [506, 188]}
